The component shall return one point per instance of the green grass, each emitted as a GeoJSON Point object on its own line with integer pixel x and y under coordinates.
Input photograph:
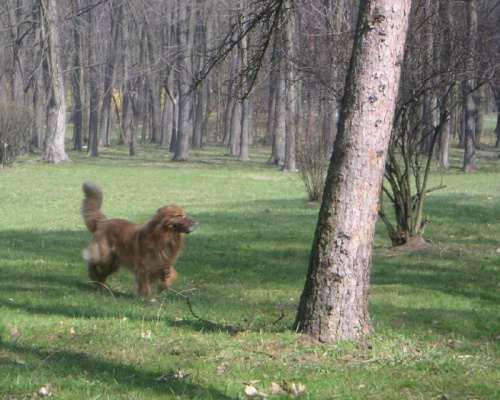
{"type": "Point", "coordinates": [435, 311]}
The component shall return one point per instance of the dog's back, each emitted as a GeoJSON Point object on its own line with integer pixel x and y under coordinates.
{"type": "Point", "coordinates": [91, 206]}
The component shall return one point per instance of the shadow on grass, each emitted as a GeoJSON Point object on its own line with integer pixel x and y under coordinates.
{"type": "Point", "coordinates": [46, 274]}
{"type": "Point", "coordinates": [122, 378]}
{"type": "Point", "coordinates": [476, 284]}
{"type": "Point", "coordinates": [478, 324]}
{"type": "Point", "coordinates": [262, 249]}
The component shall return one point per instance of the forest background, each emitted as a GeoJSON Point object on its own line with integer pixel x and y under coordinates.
{"type": "Point", "coordinates": [164, 71]}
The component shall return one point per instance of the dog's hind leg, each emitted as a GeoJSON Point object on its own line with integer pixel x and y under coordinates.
{"type": "Point", "coordinates": [96, 276]}
{"type": "Point", "coordinates": [98, 273]}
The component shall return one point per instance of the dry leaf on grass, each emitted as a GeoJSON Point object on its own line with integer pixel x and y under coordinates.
{"type": "Point", "coordinates": [293, 388]}
{"type": "Point", "coordinates": [146, 335]}
{"type": "Point", "coordinates": [44, 391]}
{"type": "Point", "coordinates": [179, 374]}
{"type": "Point", "coordinates": [275, 388]}
{"type": "Point", "coordinates": [251, 391]}
{"type": "Point", "coordinates": [221, 369]}
{"type": "Point", "coordinates": [14, 331]}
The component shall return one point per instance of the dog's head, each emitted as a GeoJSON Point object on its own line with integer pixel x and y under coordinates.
{"type": "Point", "coordinates": [174, 218]}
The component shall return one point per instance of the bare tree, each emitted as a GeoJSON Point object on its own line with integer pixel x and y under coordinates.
{"type": "Point", "coordinates": [77, 78]}
{"type": "Point", "coordinates": [184, 51]}
{"type": "Point", "coordinates": [54, 145]}
{"type": "Point", "coordinates": [469, 101]}
{"type": "Point", "coordinates": [115, 12]}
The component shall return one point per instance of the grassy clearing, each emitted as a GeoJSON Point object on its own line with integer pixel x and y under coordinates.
{"type": "Point", "coordinates": [435, 311]}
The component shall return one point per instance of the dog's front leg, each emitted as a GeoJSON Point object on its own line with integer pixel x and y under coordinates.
{"type": "Point", "coordinates": [142, 283]}
{"type": "Point", "coordinates": [169, 274]}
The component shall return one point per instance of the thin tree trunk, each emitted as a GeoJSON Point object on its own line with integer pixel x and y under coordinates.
{"type": "Point", "coordinates": [116, 23]}
{"type": "Point", "coordinates": [93, 149]}
{"type": "Point", "coordinates": [291, 95]}
{"type": "Point", "coordinates": [167, 119]}
{"type": "Point", "coordinates": [198, 118]}
{"type": "Point", "coordinates": [231, 104]}
{"type": "Point", "coordinates": [244, 131]}
{"type": "Point", "coordinates": [447, 94]}
{"type": "Point", "coordinates": [77, 82]}
{"type": "Point", "coordinates": [184, 129]}
{"type": "Point", "coordinates": [54, 146]}
{"type": "Point", "coordinates": [235, 129]}
{"type": "Point", "coordinates": [279, 140]}
{"type": "Point", "coordinates": [480, 104]}
{"type": "Point", "coordinates": [497, 127]}
{"type": "Point", "coordinates": [271, 103]}
{"type": "Point", "coordinates": [127, 111]}
{"type": "Point", "coordinates": [470, 103]}
{"type": "Point", "coordinates": [39, 90]}
{"type": "Point", "coordinates": [244, 139]}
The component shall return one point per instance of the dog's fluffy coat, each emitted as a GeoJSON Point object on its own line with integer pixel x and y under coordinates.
{"type": "Point", "coordinates": [148, 249]}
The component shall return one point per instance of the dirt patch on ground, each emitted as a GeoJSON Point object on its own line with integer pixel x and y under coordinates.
{"type": "Point", "coordinates": [420, 246]}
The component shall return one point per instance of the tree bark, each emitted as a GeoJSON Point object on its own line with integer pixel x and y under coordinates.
{"type": "Point", "coordinates": [185, 127]}
{"type": "Point", "coordinates": [39, 91]}
{"type": "Point", "coordinates": [279, 134]}
{"type": "Point", "coordinates": [116, 23]}
{"type": "Point", "coordinates": [291, 94]}
{"type": "Point", "coordinates": [244, 140]}
{"type": "Point", "coordinates": [497, 127]}
{"type": "Point", "coordinates": [77, 81]}
{"type": "Point", "coordinates": [470, 108]}
{"type": "Point", "coordinates": [334, 303]}
{"type": "Point", "coordinates": [93, 144]}
{"type": "Point", "coordinates": [54, 146]}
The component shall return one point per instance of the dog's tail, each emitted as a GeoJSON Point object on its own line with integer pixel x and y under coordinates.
{"type": "Point", "coordinates": [91, 206]}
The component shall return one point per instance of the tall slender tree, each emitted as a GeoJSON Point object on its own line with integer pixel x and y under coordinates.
{"type": "Point", "coordinates": [470, 109]}
{"type": "Point", "coordinates": [53, 148]}
{"type": "Point", "coordinates": [184, 50]}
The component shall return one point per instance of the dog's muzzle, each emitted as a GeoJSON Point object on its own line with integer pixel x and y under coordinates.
{"type": "Point", "coordinates": [186, 224]}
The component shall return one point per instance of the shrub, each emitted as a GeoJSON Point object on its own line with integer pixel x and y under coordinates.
{"type": "Point", "coordinates": [16, 130]}
{"type": "Point", "coordinates": [313, 152]}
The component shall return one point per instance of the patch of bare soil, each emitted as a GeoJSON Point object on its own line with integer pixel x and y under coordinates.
{"type": "Point", "coordinates": [418, 245]}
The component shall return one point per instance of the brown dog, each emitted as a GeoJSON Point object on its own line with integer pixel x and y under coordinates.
{"type": "Point", "coordinates": [149, 249]}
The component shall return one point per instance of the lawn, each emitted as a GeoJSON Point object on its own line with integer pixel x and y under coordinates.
{"type": "Point", "coordinates": [225, 327]}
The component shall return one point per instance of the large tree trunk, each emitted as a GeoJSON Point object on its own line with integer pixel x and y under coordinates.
{"type": "Point", "coordinates": [334, 303]}
{"type": "Point", "coordinates": [53, 149]}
